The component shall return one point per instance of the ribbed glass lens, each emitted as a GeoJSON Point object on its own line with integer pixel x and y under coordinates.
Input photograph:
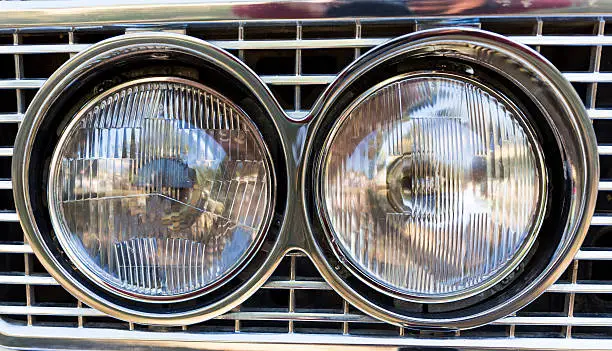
{"type": "Point", "coordinates": [433, 187]}
{"type": "Point", "coordinates": [160, 188]}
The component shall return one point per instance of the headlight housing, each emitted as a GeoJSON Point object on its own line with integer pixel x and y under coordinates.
{"type": "Point", "coordinates": [424, 210]}
{"type": "Point", "coordinates": [146, 179]}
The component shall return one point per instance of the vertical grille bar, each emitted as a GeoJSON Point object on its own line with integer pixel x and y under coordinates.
{"type": "Point", "coordinates": [298, 68]}
{"type": "Point", "coordinates": [572, 298]}
{"type": "Point", "coordinates": [595, 65]}
{"type": "Point", "coordinates": [291, 292]}
{"type": "Point", "coordinates": [357, 36]}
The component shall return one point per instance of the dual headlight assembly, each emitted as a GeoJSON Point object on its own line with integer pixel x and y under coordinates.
{"type": "Point", "coordinates": [445, 179]}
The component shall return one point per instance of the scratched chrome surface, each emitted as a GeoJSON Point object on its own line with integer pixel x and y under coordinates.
{"type": "Point", "coordinates": [295, 304]}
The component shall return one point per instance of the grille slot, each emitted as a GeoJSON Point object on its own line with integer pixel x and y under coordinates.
{"type": "Point", "coordinates": [298, 60]}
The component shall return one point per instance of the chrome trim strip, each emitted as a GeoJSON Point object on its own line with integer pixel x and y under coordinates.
{"type": "Point", "coordinates": [21, 83]}
{"type": "Point", "coordinates": [11, 117]}
{"type": "Point", "coordinates": [6, 151]}
{"type": "Point", "coordinates": [578, 288]}
{"type": "Point", "coordinates": [9, 217]}
{"type": "Point", "coordinates": [600, 113]}
{"type": "Point", "coordinates": [605, 185]}
{"type": "Point", "coordinates": [324, 79]}
{"type": "Point", "coordinates": [604, 149]}
{"type": "Point", "coordinates": [42, 48]}
{"type": "Point", "coordinates": [6, 185]}
{"type": "Point", "coordinates": [15, 248]}
{"type": "Point", "coordinates": [588, 77]}
{"type": "Point", "coordinates": [593, 255]}
{"type": "Point", "coordinates": [601, 219]}
{"type": "Point", "coordinates": [573, 321]}
{"type": "Point", "coordinates": [28, 279]}
{"type": "Point", "coordinates": [58, 13]}
{"type": "Point", "coordinates": [563, 40]}
{"type": "Point", "coordinates": [582, 288]}
{"type": "Point", "coordinates": [298, 80]}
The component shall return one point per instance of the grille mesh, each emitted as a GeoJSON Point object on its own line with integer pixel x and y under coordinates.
{"type": "Point", "coordinates": [297, 60]}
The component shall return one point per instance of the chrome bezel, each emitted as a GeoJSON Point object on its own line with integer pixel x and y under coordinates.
{"type": "Point", "coordinates": [367, 277]}
{"type": "Point", "coordinates": [62, 233]}
{"type": "Point", "coordinates": [559, 105]}
{"type": "Point", "coordinates": [86, 61]}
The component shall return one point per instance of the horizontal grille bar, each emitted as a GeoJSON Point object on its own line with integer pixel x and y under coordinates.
{"type": "Point", "coordinates": [305, 316]}
{"type": "Point", "coordinates": [21, 83]}
{"type": "Point", "coordinates": [292, 44]}
{"type": "Point", "coordinates": [579, 288]}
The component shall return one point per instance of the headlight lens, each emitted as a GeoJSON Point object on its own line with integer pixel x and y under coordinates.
{"type": "Point", "coordinates": [433, 186]}
{"type": "Point", "coordinates": [160, 188]}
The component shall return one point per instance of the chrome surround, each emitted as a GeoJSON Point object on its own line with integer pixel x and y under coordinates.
{"type": "Point", "coordinates": [104, 12]}
{"type": "Point", "coordinates": [57, 83]}
{"type": "Point", "coordinates": [556, 100]}
{"type": "Point", "coordinates": [61, 229]}
{"type": "Point", "coordinates": [394, 291]}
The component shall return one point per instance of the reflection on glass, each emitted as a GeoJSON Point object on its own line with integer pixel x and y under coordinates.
{"type": "Point", "coordinates": [160, 188]}
{"type": "Point", "coordinates": [432, 186]}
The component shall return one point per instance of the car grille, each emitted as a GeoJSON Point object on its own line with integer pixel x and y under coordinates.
{"type": "Point", "coordinates": [297, 59]}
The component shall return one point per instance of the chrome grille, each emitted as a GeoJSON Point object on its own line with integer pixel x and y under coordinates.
{"type": "Point", "coordinates": [297, 60]}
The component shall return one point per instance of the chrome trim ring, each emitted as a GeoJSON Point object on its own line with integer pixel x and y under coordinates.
{"type": "Point", "coordinates": [367, 277]}
{"type": "Point", "coordinates": [68, 77]}
{"type": "Point", "coordinates": [558, 106]}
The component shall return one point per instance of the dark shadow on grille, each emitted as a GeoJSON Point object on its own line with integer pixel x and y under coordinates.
{"type": "Point", "coordinates": [592, 332]}
{"type": "Point", "coordinates": [7, 203]}
{"type": "Point", "coordinates": [510, 27]}
{"type": "Point", "coordinates": [604, 202]}
{"type": "Point", "coordinates": [8, 101]}
{"type": "Point", "coordinates": [386, 29]}
{"type": "Point", "coordinates": [581, 89]}
{"type": "Point", "coordinates": [42, 65]}
{"type": "Point", "coordinates": [326, 61]}
{"type": "Point", "coordinates": [603, 128]}
{"type": "Point", "coordinates": [486, 331]}
{"type": "Point", "coordinates": [52, 295]}
{"type": "Point", "coordinates": [271, 61]}
{"type": "Point", "coordinates": [255, 31]}
{"type": "Point", "coordinates": [539, 331]}
{"type": "Point", "coordinates": [568, 58]}
{"type": "Point", "coordinates": [8, 132]}
{"type": "Point", "coordinates": [604, 95]}
{"type": "Point", "coordinates": [6, 62]}
{"type": "Point", "coordinates": [548, 304]}
{"type": "Point", "coordinates": [310, 94]}
{"type": "Point", "coordinates": [318, 327]}
{"type": "Point", "coordinates": [261, 326]}
{"type": "Point", "coordinates": [227, 31]}
{"type": "Point", "coordinates": [44, 38]}
{"type": "Point", "coordinates": [94, 36]}
{"type": "Point", "coordinates": [318, 301]}
{"type": "Point", "coordinates": [11, 232]}
{"type": "Point", "coordinates": [569, 27]}
{"type": "Point", "coordinates": [325, 30]}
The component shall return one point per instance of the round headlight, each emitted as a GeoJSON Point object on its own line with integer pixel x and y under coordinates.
{"type": "Point", "coordinates": [159, 188]}
{"type": "Point", "coordinates": [433, 186]}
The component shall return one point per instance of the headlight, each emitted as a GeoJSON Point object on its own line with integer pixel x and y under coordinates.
{"type": "Point", "coordinates": [433, 186]}
{"type": "Point", "coordinates": [159, 188]}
